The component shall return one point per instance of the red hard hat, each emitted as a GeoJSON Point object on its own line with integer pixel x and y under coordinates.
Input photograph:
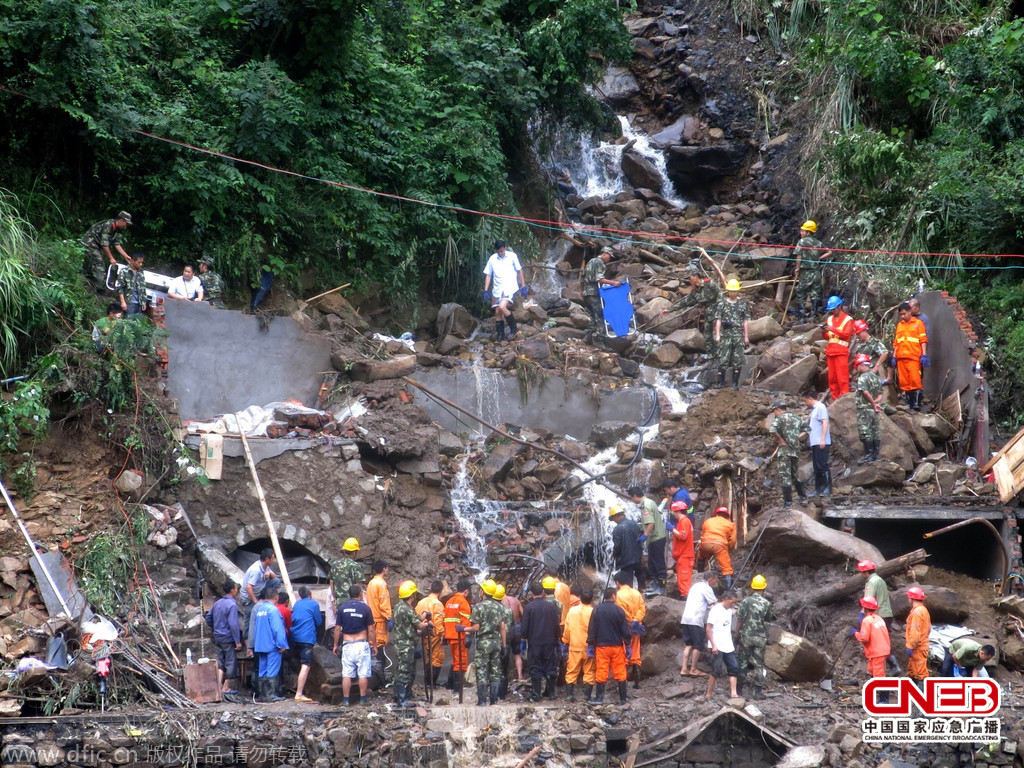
{"type": "Point", "coordinates": [869, 602]}
{"type": "Point", "coordinates": [866, 565]}
{"type": "Point", "coordinates": [861, 359]}
{"type": "Point", "coordinates": [722, 511]}
{"type": "Point", "coordinates": [859, 325]}
{"type": "Point", "coordinates": [679, 506]}
{"type": "Point", "coordinates": [915, 593]}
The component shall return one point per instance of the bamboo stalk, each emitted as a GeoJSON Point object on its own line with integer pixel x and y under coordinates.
{"type": "Point", "coordinates": [266, 514]}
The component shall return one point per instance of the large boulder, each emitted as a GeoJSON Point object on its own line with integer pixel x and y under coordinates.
{"type": "Point", "coordinates": [619, 85]}
{"type": "Point", "coordinates": [778, 356]}
{"type": "Point", "coordinates": [946, 606]}
{"type": "Point", "coordinates": [877, 474]}
{"type": "Point", "coordinates": [640, 171]}
{"type": "Point", "coordinates": [450, 344]}
{"type": "Point", "coordinates": [536, 348]}
{"type": "Point", "coordinates": [665, 356]}
{"type": "Point", "coordinates": [938, 428]}
{"type": "Point", "coordinates": [793, 658]}
{"type": "Point", "coordinates": [337, 305]}
{"type": "Point", "coordinates": [682, 131]}
{"type": "Point", "coordinates": [763, 328]}
{"type": "Point", "coordinates": [895, 444]}
{"type": "Point", "coordinates": [662, 619]}
{"type": "Point", "coordinates": [456, 320]}
{"type": "Point", "coordinates": [608, 433]}
{"type": "Point", "coordinates": [793, 538]}
{"type": "Point", "coordinates": [499, 461]}
{"type": "Point", "coordinates": [696, 168]}
{"type": "Point", "coordinates": [687, 339]}
{"type": "Point", "coordinates": [653, 310]}
{"type": "Point", "coordinates": [909, 424]}
{"type": "Point", "coordinates": [374, 370]}
{"type": "Point", "coordinates": [794, 378]}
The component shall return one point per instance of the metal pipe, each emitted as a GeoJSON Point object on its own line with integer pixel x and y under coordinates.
{"type": "Point", "coordinates": [995, 532]}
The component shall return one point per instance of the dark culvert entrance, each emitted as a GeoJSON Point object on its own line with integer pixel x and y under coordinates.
{"type": "Point", "coordinates": [303, 566]}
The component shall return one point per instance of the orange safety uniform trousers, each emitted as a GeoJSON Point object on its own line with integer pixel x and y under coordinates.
{"type": "Point", "coordinates": [609, 658]}
{"type": "Point", "coordinates": [460, 654]}
{"type": "Point", "coordinates": [720, 551]}
{"type": "Point", "coordinates": [684, 574]}
{"type": "Point", "coordinates": [579, 665]}
{"type": "Point", "coordinates": [436, 650]}
{"type": "Point", "coordinates": [909, 372]}
{"type": "Point", "coordinates": [876, 666]}
{"type": "Point", "coordinates": [838, 372]}
{"type": "Point", "coordinates": [634, 658]}
{"type": "Point", "coordinates": [917, 666]}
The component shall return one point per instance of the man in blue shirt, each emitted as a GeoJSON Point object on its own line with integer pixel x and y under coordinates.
{"type": "Point", "coordinates": [258, 577]}
{"type": "Point", "coordinates": [223, 620]}
{"type": "Point", "coordinates": [267, 635]}
{"type": "Point", "coordinates": [354, 632]}
{"type": "Point", "coordinates": [675, 492]}
{"type": "Point", "coordinates": [306, 623]}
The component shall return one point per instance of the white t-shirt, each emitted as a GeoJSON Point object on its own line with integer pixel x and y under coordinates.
{"type": "Point", "coordinates": [819, 415]}
{"type": "Point", "coordinates": [182, 287]}
{"type": "Point", "coordinates": [503, 271]}
{"type": "Point", "coordinates": [700, 597]}
{"type": "Point", "coordinates": [720, 619]}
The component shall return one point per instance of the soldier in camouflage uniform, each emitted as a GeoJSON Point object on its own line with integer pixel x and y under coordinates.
{"type": "Point", "coordinates": [753, 616]}
{"type": "Point", "coordinates": [866, 344]}
{"type": "Point", "coordinates": [787, 429]}
{"type": "Point", "coordinates": [511, 646]}
{"type": "Point", "coordinates": [809, 253]}
{"type": "Point", "coordinates": [345, 571]}
{"type": "Point", "coordinates": [131, 287]}
{"type": "Point", "coordinates": [869, 398]}
{"type": "Point", "coordinates": [593, 279]}
{"type": "Point", "coordinates": [704, 292]}
{"type": "Point", "coordinates": [213, 283]}
{"type": "Point", "coordinates": [731, 317]}
{"type": "Point", "coordinates": [102, 239]}
{"type": "Point", "coordinates": [488, 621]}
{"type": "Point", "coordinates": [405, 635]}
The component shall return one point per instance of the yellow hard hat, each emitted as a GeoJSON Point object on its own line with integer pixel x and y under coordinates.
{"type": "Point", "coordinates": [351, 544]}
{"type": "Point", "coordinates": [614, 510]}
{"type": "Point", "coordinates": [499, 592]}
{"type": "Point", "coordinates": [733, 285]}
{"type": "Point", "coordinates": [407, 588]}
{"type": "Point", "coordinates": [489, 586]}
{"type": "Point", "coordinates": [810, 226]}
{"type": "Point", "coordinates": [758, 582]}
{"type": "Point", "coordinates": [549, 582]}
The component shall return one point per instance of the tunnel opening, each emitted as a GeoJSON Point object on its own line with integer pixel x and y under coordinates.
{"type": "Point", "coordinates": [304, 567]}
{"type": "Point", "coordinates": [971, 550]}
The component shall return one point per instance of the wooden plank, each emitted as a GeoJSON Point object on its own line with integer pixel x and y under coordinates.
{"type": "Point", "coordinates": [201, 683]}
{"type": "Point", "coordinates": [991, 462]}
{"type": "Point", "coordinates": [1014, 455]}
{"type": "Point", "coordinates": [951, 410]}
{"type": "Point", "coordinates": [1004, 479]}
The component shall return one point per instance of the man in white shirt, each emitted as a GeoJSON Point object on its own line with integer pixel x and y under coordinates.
{"type": "Point", "coordinates": [723, 650]}
{"type": "Point", "coordinates": [699, 600]}
{"type": "Point", "coordinates": [187, 287]}
{"type": "Point", "coordinates": [503, 279]}
{"type": "Point", "coordinates": [819, 435]}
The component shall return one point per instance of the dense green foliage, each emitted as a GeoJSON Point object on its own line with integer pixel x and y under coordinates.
{"type": "Point", "coordinates": [419, 98]}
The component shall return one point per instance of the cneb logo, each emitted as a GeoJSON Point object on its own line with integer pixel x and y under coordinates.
{"type": "Point", "coordinates": [941, 696]}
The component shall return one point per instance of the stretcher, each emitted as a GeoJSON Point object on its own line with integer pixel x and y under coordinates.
{"type": "Point", "coordinates": [617, 309]}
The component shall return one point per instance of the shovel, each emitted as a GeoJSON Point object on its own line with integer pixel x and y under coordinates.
{"type": "Point", "coordinates": [826, 684]}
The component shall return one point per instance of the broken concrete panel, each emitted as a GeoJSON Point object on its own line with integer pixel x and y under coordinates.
{"type": "Point", "coordinates": [687, 339]}
{"type": "Point", "coordinates": [945, 605]}
{"type": "Point", "coordinates": [763, 328]}
{"type": "Point", "coordinates": [793, 658]}
{"type": "Point", "coordinates": [60, 572]}
{"type": "Point", "coordinates": [454, 319]}
{"type": "Point", "coordinates": [794, 538]}
{"type": "Point", "coordinates": [794, 378]}
{"type": "Point", "coordinates": [250, 364]}
{"type": "Point", "coordinates": [375, 370]}
{"type": "Point", "coordinates": [877, 474]}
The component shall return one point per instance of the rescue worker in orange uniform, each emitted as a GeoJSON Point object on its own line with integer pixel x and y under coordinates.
{"type": "Point", "coordinates": [718, 538]}
{"type": "Point", "coordinates": [919, 625]}
{"type": "Point", "coordinates": [608, 644]}
{"type": "Point", "coordinates": [432, 604]}
{"type": "Point", "coordinates": [874, 637]}
{"type": "Point", "coordinates": [379, 600]}
{"type": "Point", "coordinates": [838, 332]}
{"type": "Point", "coordinates": [683, 552]}
{"type": "Point", "coordinates": [910, 355]}
{"type": "Point", "coordinates": [631, 601]}
{"type": "Point", "coordinates": [574, 635]}
{"type": "Point", "coordinates": [564, 599]}
{"type": "Point", "coordinates": [456, 618]}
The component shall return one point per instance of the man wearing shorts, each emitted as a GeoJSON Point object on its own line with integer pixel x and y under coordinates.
{"type": "Point", "coordinates": [354, 632]}
{"type": "Point", "coordinates": [306, 623]}
{"type": "Point", "coordinates": [695, 614]}
{"type": "Point", "coordinates": [503, 279]}
{"type": "Point", "coordinates": [723, 650]}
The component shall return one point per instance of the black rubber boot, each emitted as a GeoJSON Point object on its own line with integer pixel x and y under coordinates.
{"type": "Point", "coordinates": [917, 399]}
{"type": "Point", "coordinates": [739, 686]}
{"type": "Point", "coordinates": [495, 690]}
{"type": "Point", "coordinates": [867, 452]}
{"type": "Point", "coordinates": [588, 693]}
{"type": "Point", "coordinates": [758, 692]}
{"type": "Point", "coordinates": [598, 694]}
{"type": "Point", "coordinates": [736, 378]}
{"type": "Point", "coordinates": [436, 672]}
{"type": "Point", "coordinates": [817, 486]}
{"type": "Point", "coordinates": [499, 330]}
{"type": "Point", "coordinates": [800, 491]}
{"type": "Point", "coordinates": [551, 683]}
{"type": "Point", "coordinates": [481, 694]}
{"type": "Point", "coordinates": [787, 497]}
{"type": "Point", "coordinates": [728, 580]}
{"type": "Point", "coordinates": [826, 483]}
{"type": "Point", "coordinates": [536, 689]}
{"type": "Point", "coordinates": [876, 447]}
{"type": "Point", "coordinates": [623, 696]}
{"type": "Point", "coordinates": [721, 378]}
{"type": "Point", "coordinates": [513, 329]}
{"type": "Point", "coordinates": [570, 692]}
{"type": "Point", "coordinates": [272, 684]}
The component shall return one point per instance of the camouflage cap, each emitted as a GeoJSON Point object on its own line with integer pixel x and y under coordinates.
{"type": "Point", "coordinates": [207, 260]}
{"type": "Point", "coordinates": [125, 215]}
{"type": "Point", "coordinates": [779, 405]}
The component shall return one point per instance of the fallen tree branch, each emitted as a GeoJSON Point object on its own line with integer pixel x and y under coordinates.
{"type": "Point", "coordinates": [855, 584]}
